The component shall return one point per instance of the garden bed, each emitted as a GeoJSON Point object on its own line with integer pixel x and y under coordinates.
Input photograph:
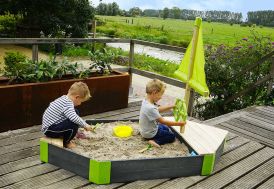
{"type": "Point", "coordinates": [23, 104]}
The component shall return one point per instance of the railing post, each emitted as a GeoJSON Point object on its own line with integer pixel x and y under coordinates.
{"type": "Point", "coordinates": [93, 29]}
{"type": "Point", "coordinates": [35, 53]}
{"type": "Point", "coordinates": [270, 84]}
{"type": "Point", "coordinates": [131, 59]}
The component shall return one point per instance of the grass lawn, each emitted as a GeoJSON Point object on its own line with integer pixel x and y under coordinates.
{"type": "Point", "coordinates": [176, 32]}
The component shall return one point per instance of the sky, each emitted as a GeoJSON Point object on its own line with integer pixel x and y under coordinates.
{"type": "Point", "coordinates": [242, 6]}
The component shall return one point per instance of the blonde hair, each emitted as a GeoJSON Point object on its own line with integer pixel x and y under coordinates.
{"type": "Point", "coordinates": [81, 89]}
{"type": "Point", "coordinates": [155, 85]}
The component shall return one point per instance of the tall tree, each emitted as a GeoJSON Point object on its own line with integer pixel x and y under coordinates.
{"type": "Point", "coordinates": [51, 16]}
{"type": "Point", "coordinates": [135, 11]}
{"type": "Point", "coordinates": [165, 13]}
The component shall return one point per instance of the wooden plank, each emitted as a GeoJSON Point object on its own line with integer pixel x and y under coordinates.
{"type": "Point", "coordinates": [42, 180]}
{"type": "Point", "coordinates": [144, 184]}
{"type": "Point", "coordinates": [269, 108]}
{"type": "Point", "coordinates": [20, 164]}
{"type": "Point", "coordinates": [72, 182]}
{"type": "Point", "coordinates": [151, 75]}
{"type": "Point", "coordinates": [252, 128]}
{"type": "Point", "coordinates": [18, 146]}
{"type": "Point", "coordinates": [237, 155]}
{"type": "Point", "coordinates": [234, 143]}
{"type": "Point", "coordinates": [225, 117]}
{"type": "Point", "coordinates": [54, 141]}
{"type": "Point", "coordinates": [237, 170]}
{"type": "Point", "coordinates": [258, 123]}
{"type": "Point", "coordinates": [9, 134]}
{"type": "Point", "coordinates": [13, 156]}
{"type": "Point", "coordinates": [202, 138]}
{"type": "Point", "coordinates": [247, 134]}
{"type": "Point", "coordinates": [268, 184]}
{"type": "Point", "coordinates": [255, 177]}
{"type": "Point", "coordinates": [261, 117]}
{"type": "Point", "coordinates": [230, 136]}
{"type": "Point", "coordinates": [25, 41]}
{"type": "Point", "coordinates": [109, 186]}
{"type": "Point", "coordinates": [267, 112]}
{"type": "Point", "coordinates": [24, 174]}
{"type": "Point", "coordinates": [20, 138]}
{"type": "Point", "coordinates": [106, 115]}
{"type": "Point", "coordinates": [225, 161]}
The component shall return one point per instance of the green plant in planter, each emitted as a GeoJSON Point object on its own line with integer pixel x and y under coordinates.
{"type": "Point", "coordinates": [101, 60]}
{"type": "Point", "coordinates": [21, 70]}
{"type": "Point", "coordinates": [16, 67]}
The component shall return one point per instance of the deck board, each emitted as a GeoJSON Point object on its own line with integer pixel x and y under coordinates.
{"type": "Point", "coordinates": [268, 184]}
{"type": "Point", "coordinates": [255, 177]}
{"type": "Point", "coordinates": [237, 170]}
{"type": "Point", "coordinates": [242, 161]}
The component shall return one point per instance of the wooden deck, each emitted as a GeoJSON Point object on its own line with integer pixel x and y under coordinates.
{"type": "Point", "coordinates": [247, 162]}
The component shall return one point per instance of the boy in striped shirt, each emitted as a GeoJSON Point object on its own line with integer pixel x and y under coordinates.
{"type": "Point", "coordinates": [61, 119]}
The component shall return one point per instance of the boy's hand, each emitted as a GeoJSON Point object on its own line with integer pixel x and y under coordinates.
{"type": "Point", "coordinates": [88, 128]}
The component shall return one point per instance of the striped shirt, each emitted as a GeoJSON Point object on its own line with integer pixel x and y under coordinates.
{"type": "Point", "coordinates": [59, 110]}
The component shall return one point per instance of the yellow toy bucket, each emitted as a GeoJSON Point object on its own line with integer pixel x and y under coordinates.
{"type": "Point", "coordinates": [122, 131]}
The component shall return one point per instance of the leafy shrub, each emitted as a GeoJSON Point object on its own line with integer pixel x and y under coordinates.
{"type": "Point", "coordinates": [8, 24]}
{"type": "Point", "coordinates": [21, 70]}
{"type": "Point", "coordinates": [223, 63]}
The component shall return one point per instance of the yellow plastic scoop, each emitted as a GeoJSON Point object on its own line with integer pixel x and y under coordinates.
{"type": "Point", "coordinates": [122, 131]}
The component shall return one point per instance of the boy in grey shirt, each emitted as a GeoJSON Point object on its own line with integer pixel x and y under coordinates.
{"type": "Point", "coordinates": [153, 126]}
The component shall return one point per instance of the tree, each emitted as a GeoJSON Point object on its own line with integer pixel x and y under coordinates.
{"type": "Point", "coordinates": [51, 16]}
{"type": "Point", "coordinates": [101, 9]}
{"type": "Point", "coordinates": [135, 11]}
{"type": "Point", "coordinates": [165, 13]}
{"type": "Point", "coordinates": [176, 12]}
{"type": "Point", "coordinates": [115, 9]}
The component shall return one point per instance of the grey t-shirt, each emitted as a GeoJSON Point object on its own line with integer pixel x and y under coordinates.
{"type": "Point", "coordinates": [148, 115]}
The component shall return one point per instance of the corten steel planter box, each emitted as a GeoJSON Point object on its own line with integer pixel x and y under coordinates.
{"type": "Point", "coordinates": [22, 105]}
{"type": "Point", "coordinates": [112, 171]}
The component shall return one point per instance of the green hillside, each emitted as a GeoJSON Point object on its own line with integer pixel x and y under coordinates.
{"type": "Point", "coordinates": [176, 32]}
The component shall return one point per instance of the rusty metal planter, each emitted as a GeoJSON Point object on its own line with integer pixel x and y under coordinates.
{"type": "Point", "coordinates": [22, 105]}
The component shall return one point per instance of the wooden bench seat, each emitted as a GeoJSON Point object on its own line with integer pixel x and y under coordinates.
{"type": "Point", "coordinates": [202, 138]}
{"type": "Point", "coordinates": [54, 141]}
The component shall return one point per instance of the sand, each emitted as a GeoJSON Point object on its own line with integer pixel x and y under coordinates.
{"type": "Point", "coordinates": [103, 145]}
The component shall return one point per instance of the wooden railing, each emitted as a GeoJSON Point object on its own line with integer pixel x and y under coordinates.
{"type": "Point", "coordinates": [269, 77]}
{"type": "Point", "coordinates": [35, 42]}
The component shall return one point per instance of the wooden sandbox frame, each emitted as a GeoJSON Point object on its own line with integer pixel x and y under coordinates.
{"type": "Point", "coordinates": [206, 141]}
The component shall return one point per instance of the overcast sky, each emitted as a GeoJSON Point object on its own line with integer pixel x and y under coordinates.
{"type": "Point", "coordinates": [242, 6]}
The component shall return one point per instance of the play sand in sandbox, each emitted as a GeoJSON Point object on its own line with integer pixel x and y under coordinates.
{"type": "Point", "coordinates": [103, 145]}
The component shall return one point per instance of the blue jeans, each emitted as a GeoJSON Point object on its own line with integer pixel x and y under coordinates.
{"type": "Point", "coordinates": [164, 135]}
{"type": "Point", "coordinates": [66, 130]}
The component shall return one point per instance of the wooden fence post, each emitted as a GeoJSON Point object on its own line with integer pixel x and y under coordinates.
{"type": "Point", "coordinates": [93, 30]}
{"type": "Point", "coordinates": [131, 60]}
{"type": "Point", "coordinates": [270, 84]}
{"type": "Point", "coordinates": [35, 53]}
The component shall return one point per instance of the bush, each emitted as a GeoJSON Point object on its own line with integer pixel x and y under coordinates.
{"type": "Point", "coordinates": [223, 63]}
{"type": "Point", "coordinates": [21, 70]}
{"type": "Point", "coordinates": [8, 24]}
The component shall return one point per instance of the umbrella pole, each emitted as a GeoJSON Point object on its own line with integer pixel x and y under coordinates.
{"type": "Point", "coordinates": [191, 64]}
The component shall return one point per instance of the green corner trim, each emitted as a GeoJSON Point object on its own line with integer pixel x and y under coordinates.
{"type": "Point", "coordinates": [208, 164]}
{"type": "Point", "coordinates": [44, 151]}
{"type": "Point", "coordinates": [99, 171]}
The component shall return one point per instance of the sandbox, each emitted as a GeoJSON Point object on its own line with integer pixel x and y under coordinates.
{"type": "Point", "coordinates": [121, 160]}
